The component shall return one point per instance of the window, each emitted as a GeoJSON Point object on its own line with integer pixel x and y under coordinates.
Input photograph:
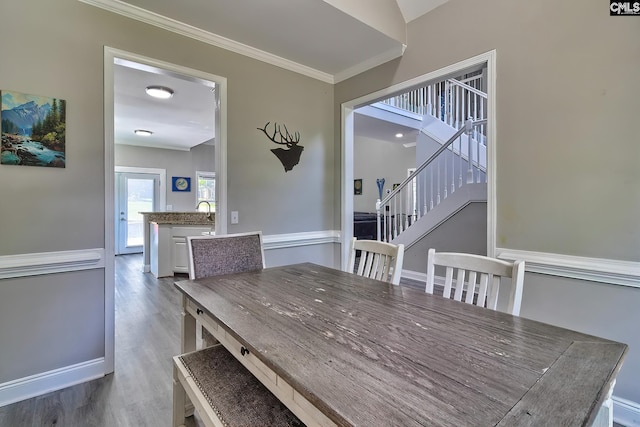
{"type": "Point", "coordinates": [206, 190]}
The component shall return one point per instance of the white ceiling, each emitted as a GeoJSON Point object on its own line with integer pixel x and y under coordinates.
{"type": "Point", "coordinates": [181, 122]}
{"type": "Point", "coordinates": [311, 37]}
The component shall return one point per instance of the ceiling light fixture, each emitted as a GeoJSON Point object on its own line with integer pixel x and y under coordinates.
{"type": "Point", "coordinates": [159, 92]}
{"type": "Point", "coordinates": [399, 135]}
{"type": "Point", "coordinates": [142, 132]}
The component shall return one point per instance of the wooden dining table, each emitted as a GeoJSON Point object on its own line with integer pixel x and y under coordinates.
{"type": "Point", "coordinates": [340, 349]}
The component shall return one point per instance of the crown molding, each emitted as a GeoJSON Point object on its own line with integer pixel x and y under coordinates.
{"type": "Point", "coordinates": [142, 15]}
{"type": "Point", "coordinates": [370, 63]}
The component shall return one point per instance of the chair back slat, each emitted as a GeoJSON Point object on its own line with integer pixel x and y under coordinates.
{"type": "Point", "coordinates": [478, 278]}
{"type": "Point", "coordinates": [378, 260]}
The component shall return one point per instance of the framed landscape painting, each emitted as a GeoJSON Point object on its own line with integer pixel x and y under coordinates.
{"type": "Point", "coordinates": [33, 130]}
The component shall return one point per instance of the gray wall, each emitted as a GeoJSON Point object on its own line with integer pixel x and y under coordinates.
{"type": "Point", "coordinates": [567, 171]}
{"type": "Point", "coordinates": [374, 159]}
{"type": "Point", "coordinates": [57, 49]}
{"type": "Point", "coordinates": [176, 163]}
{"type": "Point", "coordinates": [465, 231]}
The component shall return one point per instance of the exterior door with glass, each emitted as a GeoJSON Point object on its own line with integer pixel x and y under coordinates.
{"type": "Point", "coordinates": [135, 193]}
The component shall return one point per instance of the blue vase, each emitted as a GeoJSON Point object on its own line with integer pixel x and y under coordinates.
{"type": "Point", "coordinates": [380, 182]}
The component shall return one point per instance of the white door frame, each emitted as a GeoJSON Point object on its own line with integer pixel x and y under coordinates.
{"type": "Point", "coordinates": [110, 54]}
{"type": "Point", "coordinates": [347, 114]}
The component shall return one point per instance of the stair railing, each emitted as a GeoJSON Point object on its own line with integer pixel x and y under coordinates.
{"type": "Point", "coordinates": [452, 101]}
{"type": "Point", "coordinates": [459, 161]}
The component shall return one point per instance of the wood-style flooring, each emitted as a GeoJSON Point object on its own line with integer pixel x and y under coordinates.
{"type": "Point", "coordinates": [139, 392]}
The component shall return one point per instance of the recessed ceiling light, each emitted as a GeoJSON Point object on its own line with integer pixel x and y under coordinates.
{"type": "Point", "coordinates": [143, 132]}
{"type": "Point", "coordinates": [399, 135]}
{"type": "Point", "coordinates": [159, 92]}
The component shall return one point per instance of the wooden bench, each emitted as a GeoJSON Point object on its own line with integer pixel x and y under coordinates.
{"type": "Point", "coordinates": [224, 392]}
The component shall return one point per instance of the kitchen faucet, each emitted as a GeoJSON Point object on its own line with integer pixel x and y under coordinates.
{"type": "Point", "coordinates": [208, 208]}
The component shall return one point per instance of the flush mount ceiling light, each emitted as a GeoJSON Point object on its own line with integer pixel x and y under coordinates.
{"type": "Point", "coordinates": [159, 92]}
{"type": "Point", "coordinates": [143, 132]}
{"type": "Point", "coordinates": [399, 135]}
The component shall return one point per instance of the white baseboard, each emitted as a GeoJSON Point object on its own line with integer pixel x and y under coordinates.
{"type": "Point", "coordinates": [36, 385]}
{"type": "Point", "coordinates": [626, 412]}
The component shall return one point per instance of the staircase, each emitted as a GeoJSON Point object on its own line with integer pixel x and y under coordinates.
{"type": "Point", "coordinates": [452, 142]}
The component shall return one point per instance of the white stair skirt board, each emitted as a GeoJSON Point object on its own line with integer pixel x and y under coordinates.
{"type": "Point", "coordinates": [57, 379]}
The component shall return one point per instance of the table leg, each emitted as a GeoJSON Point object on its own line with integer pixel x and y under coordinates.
{"type": "Point", "coordinates": [187, 344]}
{"type": "Point", "coordinates": [605, 414]}
{"type": "Point", "coordinates": [179, 401]}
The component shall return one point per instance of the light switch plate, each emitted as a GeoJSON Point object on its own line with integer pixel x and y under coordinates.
{"type": "Point", "coordinates": [234, 217]}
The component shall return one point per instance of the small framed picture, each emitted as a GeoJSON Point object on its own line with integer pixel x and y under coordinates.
{"type": "Point", "coordinates": [357, 186]}
{"type": "Point", "coordinates": [180, 183]}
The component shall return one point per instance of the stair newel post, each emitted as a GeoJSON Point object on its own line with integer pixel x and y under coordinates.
{"type": "Point", "coordinates": [468, 129]}
{"type": "Point", "coordinates": [378, 222]}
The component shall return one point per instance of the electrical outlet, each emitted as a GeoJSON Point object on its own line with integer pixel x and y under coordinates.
{"type": "Point", "coordinates": [234, 217]}
{"type": "Point", "coordinates": [169, 208]}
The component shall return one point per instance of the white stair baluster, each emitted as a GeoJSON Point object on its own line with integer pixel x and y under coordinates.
{"type": "Point", "coordinates": [446, 175]}
{"type": "Point", "coordinates": [460, 161]}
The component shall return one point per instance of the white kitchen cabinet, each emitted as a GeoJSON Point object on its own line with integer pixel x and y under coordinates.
{"type": "Point", "coordinates": [168, 247]}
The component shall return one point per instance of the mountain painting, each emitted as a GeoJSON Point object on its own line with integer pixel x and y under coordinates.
{"type": "Point", "coordinates": [33, 130]}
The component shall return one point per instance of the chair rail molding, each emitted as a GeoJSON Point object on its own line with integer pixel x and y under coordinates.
{"type": "Point", "coordinates": [292, 240]}
{"type": "Point", "coordinates": [34, 264]}
{"type": "Point", "coordinates": [616, 272]}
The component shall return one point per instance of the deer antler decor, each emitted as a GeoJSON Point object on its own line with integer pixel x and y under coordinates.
{"type": "Point", "coordinates": [290, 156]}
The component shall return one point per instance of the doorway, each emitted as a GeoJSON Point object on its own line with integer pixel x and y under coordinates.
{"type": "Point", "coordinates": [487, 60]}
{"type": "Point", "coordinates": [112, 57]}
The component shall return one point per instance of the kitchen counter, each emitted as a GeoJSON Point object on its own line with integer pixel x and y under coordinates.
{"type": "Point", "coordinates": [180, 218]}
{"type": "Point", "coordinates": [164, 249]}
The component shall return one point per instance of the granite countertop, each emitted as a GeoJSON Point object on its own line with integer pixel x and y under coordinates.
{"type": "Point", "coordinates": [180, 218]}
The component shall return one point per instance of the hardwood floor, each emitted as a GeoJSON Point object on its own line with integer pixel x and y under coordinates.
{"type": "Point", "coordinates": [139, 393]}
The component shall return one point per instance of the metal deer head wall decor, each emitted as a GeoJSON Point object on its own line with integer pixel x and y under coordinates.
{"type": "Point", "coordinates": [290, 156]}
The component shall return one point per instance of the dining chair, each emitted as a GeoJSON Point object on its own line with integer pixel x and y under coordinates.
{"type": "Point", "coordinates": [377, 260]}
{"type": "Point", "coordinates": [223, 254]}
{"type": "Point", "coordinates": [478, 278]}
